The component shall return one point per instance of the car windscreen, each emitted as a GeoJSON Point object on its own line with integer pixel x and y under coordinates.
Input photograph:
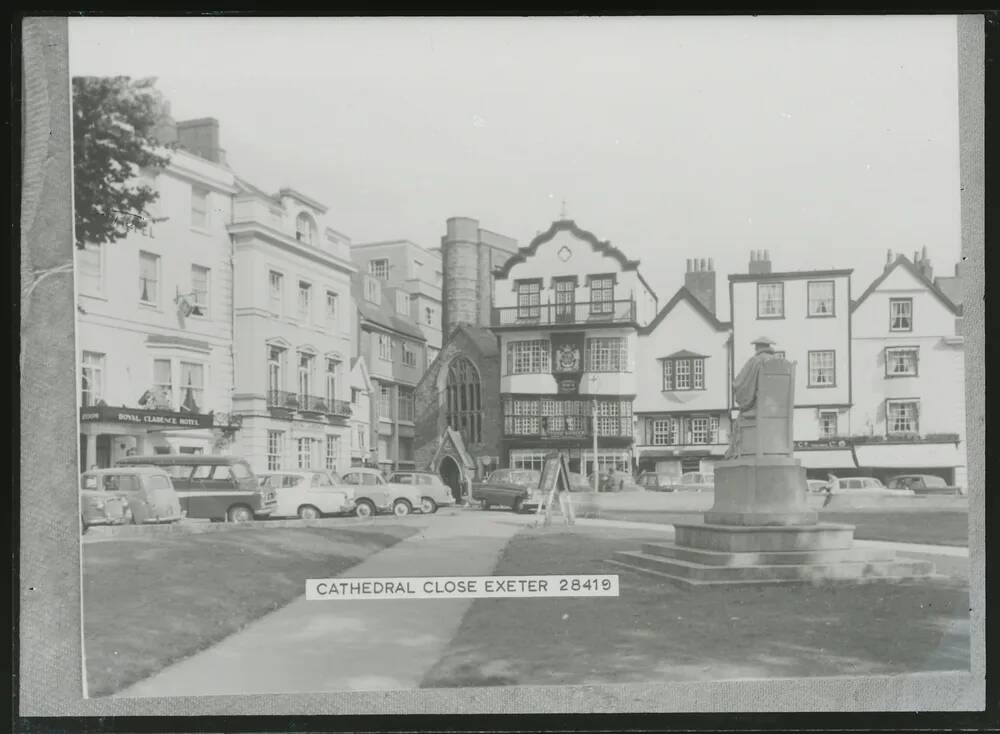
{"type": "Point", "coordinates": [336, 478]}
{"type": "Point", "coordinates": [158, 481]}
{"type": "Point", "coordinates": [240, 470]}
{"type": "Point", "coordinates": [527, 477]}
{"type": "Point", "coordinates": [319, 479]}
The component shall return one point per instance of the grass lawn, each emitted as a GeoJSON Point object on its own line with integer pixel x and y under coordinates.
{"type": "Point", "coordinates": [655, 631]}
{"type": "Point", "coordinates": [935, 527]}
{"type": "Point", "coordinates": [151, 601]}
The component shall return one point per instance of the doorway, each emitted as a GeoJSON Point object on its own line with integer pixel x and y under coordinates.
{"type": "Point", "coordinates": [451, 474]}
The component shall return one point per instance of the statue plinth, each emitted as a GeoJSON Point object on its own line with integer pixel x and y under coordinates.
{"type": "Point", "coordinates": [760, 490]}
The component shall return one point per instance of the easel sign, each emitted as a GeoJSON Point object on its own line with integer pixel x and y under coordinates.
{"type": "Point", "coordinates": [554, 486]}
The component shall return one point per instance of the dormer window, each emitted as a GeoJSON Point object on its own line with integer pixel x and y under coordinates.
{"type": "Point", "coordinates": [683, 370]}
{"type": "Point", "coordinates": [305, 229]}
{"type": "Point", "coordinates": [373, 290]}
{"type": "Point", "coordinates": [379, 269]}
{"type": "Point", "coordinates": [402, 303]}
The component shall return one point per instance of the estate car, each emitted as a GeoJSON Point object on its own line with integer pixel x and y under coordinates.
{"type": "Point", "coordinates": [135, 495]}
{"type": "Point", "coordinates": [434, 492]}
{"type": "Point", "coordinates": [373, 493]}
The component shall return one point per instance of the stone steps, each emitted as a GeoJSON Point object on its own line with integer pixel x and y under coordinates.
{"type": "Point", "coordinates": [767, 558]}
{"type": "Point", "coordinates": [755, 539]}
{"type": "Point", "coordinates": [694, 573]}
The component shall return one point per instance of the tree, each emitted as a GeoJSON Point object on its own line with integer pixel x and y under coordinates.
{"type": "Point", "coordinates": [114, 139]}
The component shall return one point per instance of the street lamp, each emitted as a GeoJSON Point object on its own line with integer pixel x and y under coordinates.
{"type": "Point", "coordinates": [593, 429]}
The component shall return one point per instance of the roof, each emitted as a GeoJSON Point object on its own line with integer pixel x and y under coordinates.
{"type": "Point", "coordinates": [792, 275]}
{"type": "Point", "coordinates": [482, 337]}
{"type": "Point", "coordinates": [453, 436]}
{"type": "Point", "coordinates": [568, 225]}
{"type": "Point", "coordinates": [685, 354]}
{"type": "Point", "coordinates": [384, 314]}
{"type": "Point", "coordinates": [251, 189]}
{"type": "Point", "coordinates": [683, 294]}
{"type": "Point", "coordinates": [307, 200]}
{"type": "Point", "coordinates": [904, 262]}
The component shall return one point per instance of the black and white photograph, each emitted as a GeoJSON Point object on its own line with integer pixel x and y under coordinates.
{"type": "Point", "coordinates": [488, 362]}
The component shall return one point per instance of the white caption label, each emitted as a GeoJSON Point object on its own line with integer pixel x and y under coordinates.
{"type": "Point", "coordinates": [462, 587]}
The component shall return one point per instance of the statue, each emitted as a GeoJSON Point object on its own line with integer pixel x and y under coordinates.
{"type": "Point", "coordinates": [745, 390]}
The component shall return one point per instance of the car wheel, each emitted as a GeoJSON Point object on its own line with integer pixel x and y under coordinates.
{"type": "Point", "coordinates": [240, 513]}
{"type": "Point", "coordinates": [308, 512]}
{"type": "Point", "coordinates": [428, 506]}
{"type": "Point", "coordinates": [364, 508]}
{"type": "Point", "coordinates": [485, 504]}
{"type": "Point", "coordinates": [517, 506]}
{"type": "Point", "coordinates": [401, 508]}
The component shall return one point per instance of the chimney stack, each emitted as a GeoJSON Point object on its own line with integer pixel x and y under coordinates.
{"type": "Point", "coordinates": [201, 137]}
{"type": "Point", "coordinates": [700, 280]}
{"type": "Point", "coordinates": [760, 262]}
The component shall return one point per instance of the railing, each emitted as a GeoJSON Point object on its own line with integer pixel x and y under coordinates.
{"type": "Point", "coordinates": [307, 403]}
{"type": "Point", "coordinates": [553, 427]}
{"type": "Point", "coordinates": [589, 313]}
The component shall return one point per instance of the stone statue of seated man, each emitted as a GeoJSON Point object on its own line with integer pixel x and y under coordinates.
{"type": "Point", "coordinates": [764, 398]}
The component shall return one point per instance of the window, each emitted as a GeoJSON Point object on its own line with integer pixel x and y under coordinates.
{"type": "Point", "coordinates": [331, 308]}
{"type": "Point", "coordinates": [200, 288]}
{"type": "Point", "coordinates": [373, 290]}
{"type": "Point", "coordinates": [384, 347]}
{"type": "Point", "coordinates": [192, 387]}
{"type": "Point", "coordinates": [305, 375]}
{"type": "Point", "coordinates": [901, 361]}
{"type": "Point", "coordinates": [602, 294]}
{"type": "Point", "coordinates": [528, 357]}
{"type": "Point", "coordinates": [607, 354]}
{"type": "Point", "coordinates": [827, 423]}
{"type": "Point", "coordinates": [822, 372]}
{"type": "Point", "coordinates": [713, 429]}
{"type": "Point", "coordinates": [664, 432]}
{"type": "Point", "coordinates": [668, 374]}
{"type": "Point", "coordinates": [385, 401]}
{"type": "Point", "coordinates": [332, 452]}
{"type": "Point", "coordinates": [332, 366]}
{"type": "Point", "coordinates": [699, 430]}
{"type": "Point", "coordinates": [614, 418]}
{"type": "Point", "coordinates": [682, 369]}
{"type": "Point", "coordinates": [199, 207]}
{"type": "Point", "coordinates": [403, 303]}
{"type": "Point", "coordinates": [360, 436]}
{"type": "Point", "coordinates": [163, 383]}
{"type": "Point", "coordinates": [305, 229]}
{"type": "Point", "coordinates": [355, 396]}
{"type": "Point", "coordinates": [91, 379]}
{"type": "Point", "coordinates": [275, 362]}
{"type": "Point", "coordinates": [684, 373]}
{"type": "Point", "coordinates": [406, 404]}
{"type": "Point", "coordinates": [305, 300]}
{"type": "Point", "coordinates": [902, 416]}
{"type": "Point", "coordinates": [698, 374]}
{"type": "Point", "coordinates": [304, 453]}
{"type": "Point", "coordinates": [770, 300]}
{"type": "Point", "coordinates": [900, 314]}
{"type": "Point", "coordinates": [463, 400]}
{"type": "Point", "coordinates": [379, 269]}
{"type": "Point", "coordinates": [525, 419]}
{"type": "Point", "coordinates": [409, 355]}
{"type": "Point", "coordinates": [149, 278]}
{"type": "Point", "coordinates": [565, 298]}
{"type": "Point", "coordinates": [275, 448]}
{"type": "Point", "coordinates": [277, 288]}
{"type": "Point", "coordinates": [429, 315]}
{"type": "Point", "coordinates": [820, 296]}
{"type": "Point", "coordinates": [90, 269]}
{"type": "Point", "coordinates": [529, 295]}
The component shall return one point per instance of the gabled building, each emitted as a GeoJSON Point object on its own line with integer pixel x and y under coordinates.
{"type": "Point", "coordinates": [683, 371]}
{"type": "Point", "coordinates": [362, 453]}
{"type": "Point", "coordinates": [908, 367]}
{"type": "Point", "coordinates": [567, 309]}
{"type": "Point", "coordinates": [808, 314]}
{"type": "Point", "coordinates": [292, 315]}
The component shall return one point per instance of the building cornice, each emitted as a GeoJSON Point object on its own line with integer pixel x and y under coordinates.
{"type": "Point", "coordinates": [270, 234]}
{"type": "Point", "coordinates": [303, 199]}
{"type": "Point", "coordinates": [791, 275]}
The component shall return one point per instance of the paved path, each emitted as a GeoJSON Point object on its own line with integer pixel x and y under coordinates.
{"type": "Point", "coordinates": [349, 645]}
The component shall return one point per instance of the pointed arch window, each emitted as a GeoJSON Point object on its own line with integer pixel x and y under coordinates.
{"type": "Point", "coordinates": [463, 400]}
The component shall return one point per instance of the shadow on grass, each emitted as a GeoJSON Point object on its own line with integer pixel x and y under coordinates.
{"type": "Point", "coordinates": [655, 631]}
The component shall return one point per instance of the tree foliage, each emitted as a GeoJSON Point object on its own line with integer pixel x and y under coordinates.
{"type": "Point", "coordinates": [114, 129]}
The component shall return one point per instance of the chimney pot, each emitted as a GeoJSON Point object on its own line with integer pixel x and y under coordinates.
{"type": "Point", "coordinates": [767, 254]}
{"type": "Point", "coordinates": [923, 253]}
{"type": "Point", "coordinates": [711, 265]}
{"type": "Point", "coordinates": [689, 265]}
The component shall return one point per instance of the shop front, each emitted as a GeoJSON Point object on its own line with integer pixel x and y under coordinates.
{"type": "Point", "coordinates": [884, 459]}
{"type": "Point", "coordinates": [674, 462]}
{"type": "Point", "coordinates": [611, 454]}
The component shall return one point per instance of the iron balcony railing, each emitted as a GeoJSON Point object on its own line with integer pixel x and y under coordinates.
{"type": "Point", "coordinates": [307, 403]}
{"type": "Point", "coordinates": [586, 313]}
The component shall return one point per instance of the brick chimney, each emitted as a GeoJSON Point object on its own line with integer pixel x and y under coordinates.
{"type": "Point", "coordinates": [760, 262]}
{"type": "Point", "coordinates": [700, 280]}
{"type": "Point", "coordinates": [201, 137]}
{"type": "Point", "coordinates": [924, 265]}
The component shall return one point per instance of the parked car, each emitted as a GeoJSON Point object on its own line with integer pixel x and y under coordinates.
{"type": "Point", "coordinates": [579, 483]}
{"type": "Point", "coordinates": [135, 495]}
{"type": "Point", "coordinates": [694, 481]}
{"type": "Point", "coordinates": [374, 494]}
{"type": "Point", "coordinates": [816, 486]}
{"type": "Point", "coordinates": [924, 484]}
{"type": "Point", "coordinates": [654, 482]}
{"type": "Point", "coordinates": [308, 494]}
{"type": "Point", "coordinates": [513, 488]}
{"type": "Point", "coordinates": [865, 486]}
{"type": "Point", "coordinates": [434, 492]}
{"type": "Point", "coordinates": [218, 488]}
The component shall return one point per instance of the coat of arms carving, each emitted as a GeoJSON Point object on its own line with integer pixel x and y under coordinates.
{"type": "Point", "coordinates": [568, 358]}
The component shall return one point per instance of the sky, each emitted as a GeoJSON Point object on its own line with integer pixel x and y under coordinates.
{"type": "Point", "coordinates": [825, 140]}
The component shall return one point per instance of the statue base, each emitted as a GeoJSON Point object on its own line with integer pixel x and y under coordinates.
{"type": "Point", "coordinates": [760, 490]}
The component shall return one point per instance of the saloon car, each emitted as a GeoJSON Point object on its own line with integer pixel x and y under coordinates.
{"type": "Point", "coordinates": [924, 484]}
{"type": "Point", "coordinates": [694, 481]}
{"type": "Point", "coordinates": [374, 494]}
{"type": "Point", "coordinates": [816, 485]}
{"type": "Point", "coordinates": [655, 482]}
{"type": "Point", "coordinates": [308, 494]}
{"type": "Point", "coordinates": [513, 488]}
{"type": "Point", "coordinates": [868, 486]}
{"type": "Point", "coordinates": [434, 492]}
{"type": "Point", "coordinates": [134, 495]}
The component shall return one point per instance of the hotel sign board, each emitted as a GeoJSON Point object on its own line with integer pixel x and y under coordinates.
{"type": "Point", "coordinates": [148, 418]}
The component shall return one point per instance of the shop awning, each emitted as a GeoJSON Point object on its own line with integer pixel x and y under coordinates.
{"type": "Point", "coordinates": [910, 455]}
{"type": "Point", "coordinates": [680, 453]}
{"type": "Point", "coordinates": [829, 459]}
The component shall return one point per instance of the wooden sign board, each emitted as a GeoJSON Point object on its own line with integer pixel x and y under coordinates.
{"type": "Point", "coordinates": [554, 486]}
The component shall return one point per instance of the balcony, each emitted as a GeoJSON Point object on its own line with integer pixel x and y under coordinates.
{"type": "Point", "coordinates": [308, 403]}
{"type": "Point", "coordinates": [587, 313]}
{"type": "Point", "coordinates": [574, 428]}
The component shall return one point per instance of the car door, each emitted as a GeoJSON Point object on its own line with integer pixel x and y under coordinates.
{"type": "Point", "coordinates": [202, 501]}
{"type": "Point", "coordinates": [91, 493]}
{"type": "Point", "coordinates": [161, 498]}
{"type": "Point", "coordinates": [130, 489]}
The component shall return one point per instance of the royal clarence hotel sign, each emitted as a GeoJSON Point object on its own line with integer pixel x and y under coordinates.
{"type": "Point", "coordinates": [166, 418]}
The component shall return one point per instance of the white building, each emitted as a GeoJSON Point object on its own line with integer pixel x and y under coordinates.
{"type": "Point", "coordinates": [362, 391]}
{"type": "Point", "coordinates": [292, 313]}
{"type": "Point", "coordinates": [808, 314]}
{"type": "Point", "coordinates": [909, 376]}
{"type": "Point", "coordinates": [567, 309]}
{"type": "Point", "coordinates": [683, 373]}
{"type": "Point", "coordinates": [155, 323]}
